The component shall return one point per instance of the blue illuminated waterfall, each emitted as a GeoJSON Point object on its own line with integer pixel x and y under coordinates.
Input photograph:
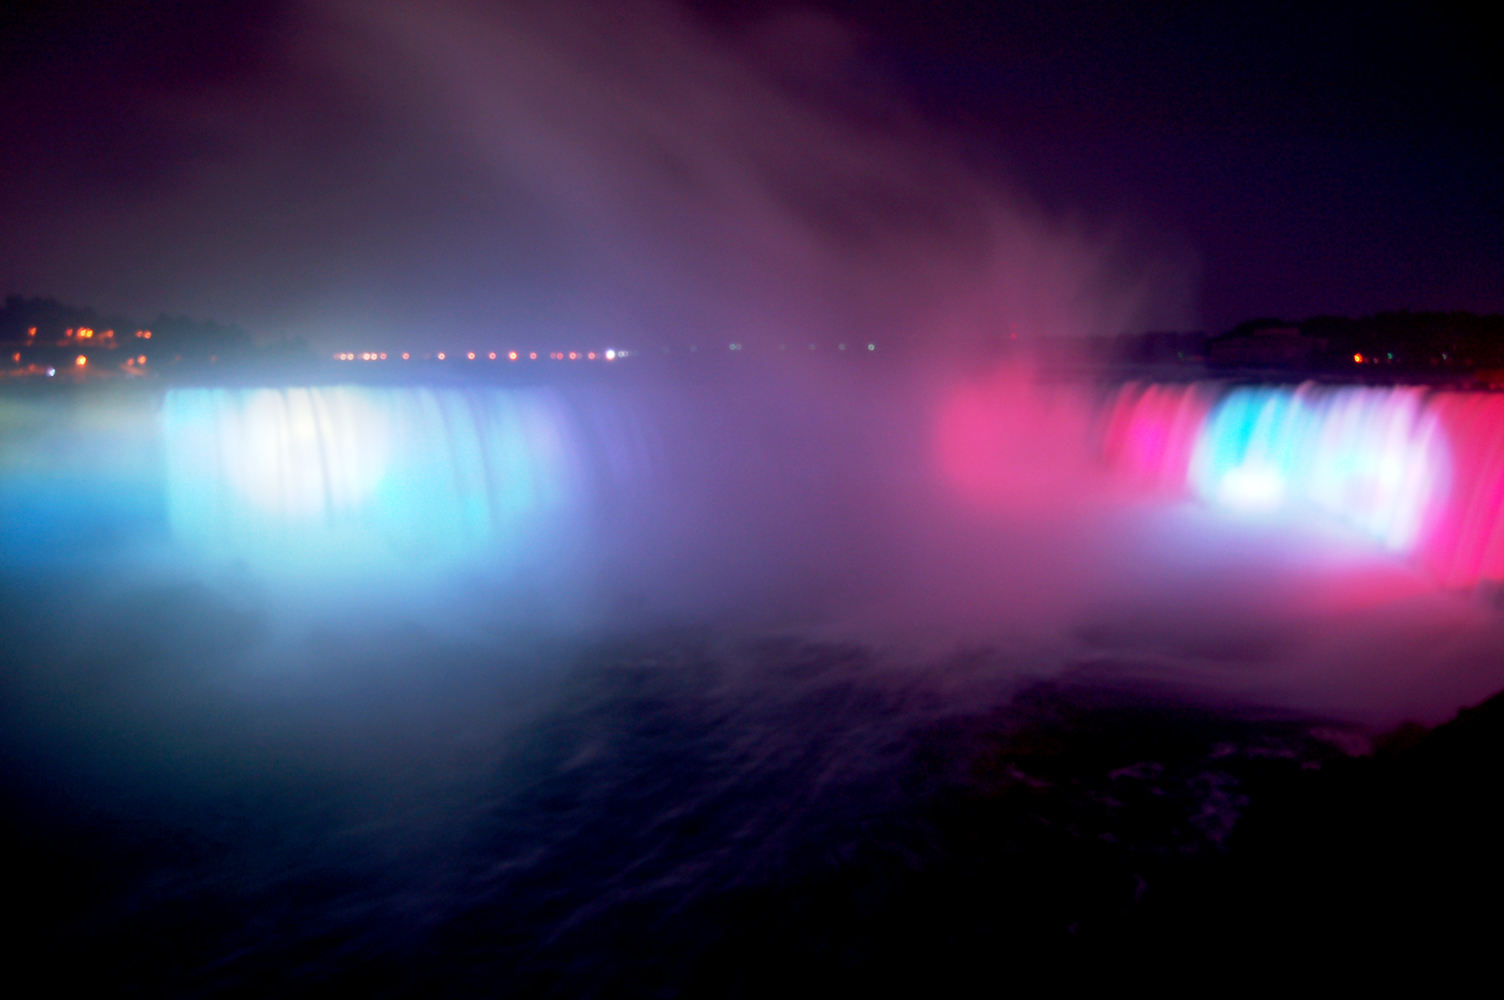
{"type": "Point", "coordinates": [350, 476]}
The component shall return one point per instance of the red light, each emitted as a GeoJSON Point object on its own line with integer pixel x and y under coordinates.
{"type": "Point", "coordinates": [80, 361]}
{"type": "Point", "coordinates": [441, 355]}
{"type": "Point", "coordinates": [404, 355]}
{"type": "Point", "coordinates": [533, 356]}
{"type": "Point", "coordinates": [493, 355]}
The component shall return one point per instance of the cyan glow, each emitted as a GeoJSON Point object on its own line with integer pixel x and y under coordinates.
{"type": "Point", "coordinates": [1372, 457]}
{"type": "Point", "coordinates": [348, 476]}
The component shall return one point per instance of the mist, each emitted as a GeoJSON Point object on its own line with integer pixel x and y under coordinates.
{"type": "Point", "coordinates": [420, 175]}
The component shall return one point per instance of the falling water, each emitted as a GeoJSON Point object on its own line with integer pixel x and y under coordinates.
{"type": "Point", "coordinates": [1419, 471]}
{"type": "Point", "coordinates": [313, 475]}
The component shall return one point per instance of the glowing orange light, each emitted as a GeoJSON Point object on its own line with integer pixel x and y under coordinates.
{"type": "Point", "coordinates": [511, 355]}
{"type": "Point", "coordinates": [31, 331]}
{"type": "Point", "coordinates": [84, 333]}
{"type": "Point", "coordinates": [80, 361]}
{"type": "Point", "coordinates": [1358, 358]}
{"type": "Point", "coordinates": [441, 355]}
{"type": "Point", "coordinates": [471, 355]}
{"type": "Point", "coordinates": [404, 355]}
{"type": "Point", "coordinates": [141, 359]}
{"type": "Point", "coordinates": [144, 334]}
{"type": "Point", "coordinates": [493, 355]}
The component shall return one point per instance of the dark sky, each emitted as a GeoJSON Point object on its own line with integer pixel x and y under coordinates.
{"type": "Point", "coordinates": [391, 172]}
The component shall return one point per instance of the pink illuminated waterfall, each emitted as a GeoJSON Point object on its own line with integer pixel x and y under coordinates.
{"type": "Point", "coordinates": [1420, 471]}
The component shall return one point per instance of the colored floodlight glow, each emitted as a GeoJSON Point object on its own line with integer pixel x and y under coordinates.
{"type": "Point", "coordinates": [80, 361]}
{"type": "Point", "coordinates": [305, 479]}
{"type": "Point", "coordinates": [1358, 358]}
{"type": "Point", "coordinates": [141, 359]}
{"type": "Point", "coordinates": [871, 347]}
{"type": "Point", "coordinates": [591, 355]}
{"type": "Point", "coordinates": [1371, 457]}
{"type": "Point", "coordinates": [404, 355]}
{"type": "Point", "coordinates": [492, 355]}
{"type": "Point", "coordinates": [1251, 487]}
{"type": "Point", "coordinates": [511, 355]}
{"type": "Point", "coordinates": [573, 356]}
{"type": "Point", "coordinates": [533, 356]}
{"type": "Point", "coordinates": [441, 355]}
{"type": "Point", "coordinates": [470, 355]}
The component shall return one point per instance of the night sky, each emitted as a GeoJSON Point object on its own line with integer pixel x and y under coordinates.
{"type": "Point", "coordinates": [394, 173]}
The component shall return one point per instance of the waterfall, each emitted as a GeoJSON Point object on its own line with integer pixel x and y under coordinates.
{"type": "Point", "coordinates": [1419, 471]}
{"type": "Point", "coordinates": [353, 476]}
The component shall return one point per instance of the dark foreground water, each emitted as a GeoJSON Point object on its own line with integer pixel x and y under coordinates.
{"type": "Point", "coordinates": [190, 810]}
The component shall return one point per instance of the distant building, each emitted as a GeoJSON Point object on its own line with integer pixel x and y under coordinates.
{"type": "Point", "coordinates": [1263, 347]}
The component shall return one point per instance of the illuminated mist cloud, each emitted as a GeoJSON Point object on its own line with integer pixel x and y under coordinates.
{"type": "Point", "coordinates": [449, 173]}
